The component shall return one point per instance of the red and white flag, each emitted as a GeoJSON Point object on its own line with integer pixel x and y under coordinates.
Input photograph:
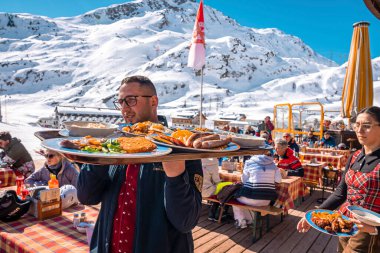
{"type": "Point", "coordinates": [197, 52]}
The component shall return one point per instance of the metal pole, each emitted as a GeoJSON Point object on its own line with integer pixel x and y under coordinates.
{"type": "Point", "coordinates": [200, 115]}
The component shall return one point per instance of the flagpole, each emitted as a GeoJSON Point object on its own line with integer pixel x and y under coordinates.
{"type": "Point", "coordinates": [200, 115]}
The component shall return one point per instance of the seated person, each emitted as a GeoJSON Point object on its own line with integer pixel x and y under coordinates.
{"type": "Point", "coordinates": [250, 131]}
{"type": "Point", "coordinates": [212, 184]}
{"type": "Point", "coordinates": [310, 138]}
{"type": "Point", "coordinates": [291, 143]}
{"type": "Point", "coordinates": [327, 140]}
{"type": "Point", "coordinates": [56, 164]}
{"type": "Point", "coordinates": [268, 142]}
{"type": "Point", "coordinates": [15, 155]}
{"type": "Point", "coordinates": [287, 160]}
{"type": "Point", "coordinates": [259, 177]}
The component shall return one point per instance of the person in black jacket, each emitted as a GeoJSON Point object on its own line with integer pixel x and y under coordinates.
{"type": "Point", "coordinates": [145, 208]}
{"type": "Point", "coordinates": [360, 185]}
{"type": "Point", "coordinates": [15, 155]}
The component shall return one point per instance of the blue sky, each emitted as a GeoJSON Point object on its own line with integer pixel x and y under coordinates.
{"type": "Point", "coordinates": [325, 25]}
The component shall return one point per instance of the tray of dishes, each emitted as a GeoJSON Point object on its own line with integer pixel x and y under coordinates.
{"type": "Point", "coordinates": [331, 223]}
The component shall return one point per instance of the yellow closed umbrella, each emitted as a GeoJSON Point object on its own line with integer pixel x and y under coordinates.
{"type": "Point", "coordinates": [358, 83]}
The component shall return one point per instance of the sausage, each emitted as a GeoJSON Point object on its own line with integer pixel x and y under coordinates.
{"type": "Point", "coordinates": [215, 143]}
{"type": "Point", "coordinates": [69, 144]}
{"type": "Point", "coordinates": [192, 138]}
{"type": "Point", "coordinates": [198, 142]}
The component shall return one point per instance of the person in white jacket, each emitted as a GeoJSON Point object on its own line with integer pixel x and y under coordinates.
{"type": "Point", "coordinates": [212, 184]}
{"type": "Point", "coordinates": [259, 177]}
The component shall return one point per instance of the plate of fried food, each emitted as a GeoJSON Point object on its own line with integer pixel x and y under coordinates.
{"type": "Point", "coordinates": [122, 147]}
{"type": "Point", "coordinates": [331, 223]}
{"type": "Point", "coordinates": [187, 140]}
{"type": "Point", "coordinates": [144, 128]}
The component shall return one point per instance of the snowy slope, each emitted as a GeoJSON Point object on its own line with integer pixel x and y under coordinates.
{"type": "Point", "coordinates": [81, 61]}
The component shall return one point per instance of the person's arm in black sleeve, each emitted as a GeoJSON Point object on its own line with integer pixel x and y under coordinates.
{"type": "Point", "coordinates": [183, 199]}
{"type": "Point", "coordinates": [340, 194]}
{"type": "Point", "coordinates": [92, 181]}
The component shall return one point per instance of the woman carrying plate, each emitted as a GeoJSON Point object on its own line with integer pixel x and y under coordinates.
{"type": "Point", "coordinates": [360, 184]}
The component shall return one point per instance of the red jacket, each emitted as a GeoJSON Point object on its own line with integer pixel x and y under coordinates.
{"type": "Point", "coordinates": [289, 161]}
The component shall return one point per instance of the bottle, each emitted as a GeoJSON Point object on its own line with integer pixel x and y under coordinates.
{"type": "Point", "coordinates": [53, 182]}
{"type": "Point", "coordinates": [76, 220]}
{"type": "Point", "coordinates": [20, 184]}
{"type": "Point", "coordinates": [83, 217]}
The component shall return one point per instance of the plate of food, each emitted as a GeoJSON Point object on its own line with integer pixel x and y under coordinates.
{"type": "Point", "coordinates": [144, 128]}
{"type": "Point", "coordinates": [83, 128]}
{"type": "Point", "coordinates": [186, 140]}
{"type": "Point", "coordinates": [331, 223]}
{"type": "Point", "coordinates": [122, 147]}
{"type": "Point", "coordinates": [364, 215]}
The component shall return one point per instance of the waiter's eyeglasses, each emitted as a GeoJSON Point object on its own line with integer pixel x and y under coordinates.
{"type": "Point", "coordinates": [365, 126]}
{"type": "Point", "coordinates": [129, 101]}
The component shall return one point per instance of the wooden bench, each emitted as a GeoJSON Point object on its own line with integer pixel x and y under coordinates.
{"type": "Point", "coordinates": [257, 213]}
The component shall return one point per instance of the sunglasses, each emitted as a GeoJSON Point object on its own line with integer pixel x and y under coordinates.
{"type": "Point", "coordinates": [49, 156]}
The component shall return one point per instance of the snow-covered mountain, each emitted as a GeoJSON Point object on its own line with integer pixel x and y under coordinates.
{"type": "Point", "coordinates": [81, 60]}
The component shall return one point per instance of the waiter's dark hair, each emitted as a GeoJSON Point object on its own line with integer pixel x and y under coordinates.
{"type": "Point", "coordinates": [144, 82]}
{"type": "Point", "coordinates": [374, 111]}
{"type": "Point", "coordinates": [5, 136]}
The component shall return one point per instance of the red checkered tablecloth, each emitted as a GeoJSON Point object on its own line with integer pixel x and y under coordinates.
{"type": "Point", "coordinates": [28, 234]}
{"type": "Point", "coordinates": [345, 153]}
{"type": "Point", "coordinates": [313, 172]}
{"type": "Point", "coordinates": [288, 190]}
{"type": "Point", "coordinates": [338, 161]}
{"type": "Point", "coordinates": [7, 177]}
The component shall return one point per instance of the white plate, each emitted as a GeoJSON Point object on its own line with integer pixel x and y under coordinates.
{"type": "Point", "coordinates": [364, 215]}
{"type": "Point", "coordinates": [53, 144]}
{"type": "Point", "coordinates": [83, 128]}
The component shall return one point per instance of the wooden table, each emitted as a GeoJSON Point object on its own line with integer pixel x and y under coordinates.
{"type": "Point", "coordinates": [52, 235]}
{"type": "Point", "coordinates": [7, 177]}
{"type": "Point", "coordinates": [337, 161]}
{"type": "Point", "coordinates": [345, 153]}
{"type": "Point", "coordinates": [313, 173]}
{"type": "Point", "coordinates": [289, 190]}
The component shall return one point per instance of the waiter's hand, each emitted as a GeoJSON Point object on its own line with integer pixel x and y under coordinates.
{"type": "Point", "coordinates": [174, 168]}
{"type": "Point", "coordinates": [303, 226]}
{"type": "Point", "coordinates": [364, 227]}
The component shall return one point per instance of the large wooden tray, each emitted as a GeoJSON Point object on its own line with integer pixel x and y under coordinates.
{"type": "Point", "coordinates": [175, 156]}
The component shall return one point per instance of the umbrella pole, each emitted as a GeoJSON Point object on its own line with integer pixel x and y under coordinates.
{"type": "Point", "coordinates": [200, 115]}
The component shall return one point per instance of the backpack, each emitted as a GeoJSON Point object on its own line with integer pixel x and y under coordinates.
{"type": "Point", "coordinates": [11, 207]}
{"type": "Point", "coordinates": [227, 192]}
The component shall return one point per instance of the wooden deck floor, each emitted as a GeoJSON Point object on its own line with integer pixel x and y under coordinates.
{"type": "Point", "coordinates": [283, 237]}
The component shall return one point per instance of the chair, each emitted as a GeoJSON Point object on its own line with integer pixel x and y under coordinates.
{"type": "Point", "coordinates": [329, 178]}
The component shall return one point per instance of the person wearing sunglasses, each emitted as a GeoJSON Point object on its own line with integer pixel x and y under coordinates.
{"type": "Point", "coordinates": [150, 207]}
{"type": "Point", "coordinates": [15, 155]}
{"type": "Point", "coordinates": [360, 184]}
{"type": "Point", "coordinates": [56, 164]}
